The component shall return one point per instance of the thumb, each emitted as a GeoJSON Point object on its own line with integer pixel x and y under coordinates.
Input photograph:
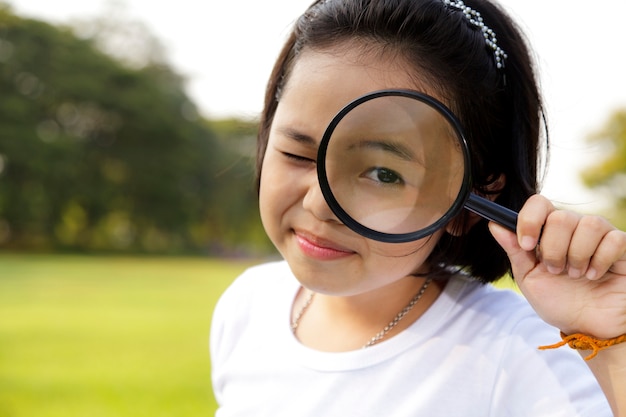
{"type": "Point", "coordinates": [522, 261]}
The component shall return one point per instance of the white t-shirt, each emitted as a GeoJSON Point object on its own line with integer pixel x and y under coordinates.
{"type": "Point", "coordinates": [473, 353]}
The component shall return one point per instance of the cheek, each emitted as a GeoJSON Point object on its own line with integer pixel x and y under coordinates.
{"type": "Point", "coordinates": [269, 213]}
{"type": "Point", "coordinates": [267, 193]}
{"type": "Point", "coordinates": [276, 191]}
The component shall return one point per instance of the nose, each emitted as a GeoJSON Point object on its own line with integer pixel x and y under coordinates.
{"type": "Point", "coordinates": [315, 203]}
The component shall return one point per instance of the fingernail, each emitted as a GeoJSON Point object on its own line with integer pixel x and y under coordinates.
{"type": "Point", "coordinates": [574, 273]}
{"type": "Point", "coordinates": [554, 270]}
{"type": "Point", "coordinates": [591, 273]}
{"type": "Point", "coordinates": [527, 243]}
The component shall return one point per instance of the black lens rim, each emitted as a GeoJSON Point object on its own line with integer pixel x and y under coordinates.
{"type": "Point", "coordinates": [357, 227]}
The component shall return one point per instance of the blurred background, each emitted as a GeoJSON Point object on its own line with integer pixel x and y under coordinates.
{"type": "Point", "coordinates": [127, 202]}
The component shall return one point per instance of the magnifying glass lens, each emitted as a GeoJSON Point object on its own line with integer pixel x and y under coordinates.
{"type": "Point", "coordinates": [393, 165]}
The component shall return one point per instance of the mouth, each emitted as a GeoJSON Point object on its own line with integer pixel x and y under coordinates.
{"type": "Point", "coordinates": [315, 247]}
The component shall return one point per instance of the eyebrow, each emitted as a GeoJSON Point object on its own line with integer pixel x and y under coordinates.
{"type": "Point", "coordinates": [395, 148]}
{"type": "Point", "coordinates": [298, 137]}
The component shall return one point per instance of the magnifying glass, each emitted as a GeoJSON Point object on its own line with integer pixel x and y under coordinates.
{"type": "Point", "coordinates": [394, 166]}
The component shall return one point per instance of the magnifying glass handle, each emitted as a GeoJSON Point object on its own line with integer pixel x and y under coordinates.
{"type": "Point", "coordinates": [492, 211]}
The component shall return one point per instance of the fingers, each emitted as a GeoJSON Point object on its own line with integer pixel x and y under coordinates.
{"type": "Point", "coordinates": [522, 260]}
{"type": "Point", "coordinates": [569, 243]}
{"type": "Point", "coordinates": [588, 251]}
{"type": "Point", "coordinates": [557, 242]}
{"type": "Point", "coordinates": [531, 220]}
{"type": "Point", "coordinates": [609, 256]}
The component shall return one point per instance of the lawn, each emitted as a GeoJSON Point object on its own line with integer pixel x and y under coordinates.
{"type": "Point", "coordinates": [107, 336]}
{"type": "Point", "coordinates": [84, 336]}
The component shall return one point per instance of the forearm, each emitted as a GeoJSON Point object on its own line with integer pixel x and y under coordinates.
{"type": "Point", "coordinates": [609, 368]}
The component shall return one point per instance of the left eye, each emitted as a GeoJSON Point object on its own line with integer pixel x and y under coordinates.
{"type": "Point", "coordinates": [384, 176]}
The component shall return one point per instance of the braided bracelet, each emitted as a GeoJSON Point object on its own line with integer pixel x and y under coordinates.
{"type": "Point", "coordinates": [581, 341]}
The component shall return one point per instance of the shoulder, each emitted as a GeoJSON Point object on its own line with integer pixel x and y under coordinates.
{"type": "Point", "coordinates": [253, 294]}
{"type": "Point", "coordinates": [484, 301]}
{"type": "Point", "coordinates": [503, 333]}
{"type": "Point", "coordinates": [499, 321]}
{"type": "Point", "coordinates": [255, 283]}
{"type": "Point", "coordinates": [259, 278]}
{"type": "Point", "coordinates": [252, 305]}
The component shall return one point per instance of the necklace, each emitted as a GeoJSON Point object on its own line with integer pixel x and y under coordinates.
{"type": "Point", "coordinates": [380, 335]}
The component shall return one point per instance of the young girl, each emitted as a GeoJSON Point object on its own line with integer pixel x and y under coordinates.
{"type": "Point", "coordinates": [348, 326]}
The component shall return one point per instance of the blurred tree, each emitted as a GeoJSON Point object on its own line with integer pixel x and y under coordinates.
{"type": "Point", "coordinates": [609, 174]}
{"type": "Point", "coordinates": [237, 218]}
{"type": "Point", "coordinates": [99, 154]}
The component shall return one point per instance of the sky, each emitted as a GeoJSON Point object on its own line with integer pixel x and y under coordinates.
{"type": "Point", "coordinates": [226, 50]}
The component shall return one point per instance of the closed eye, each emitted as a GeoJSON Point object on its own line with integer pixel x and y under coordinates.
{"type": "Point", "coordinates": [298, 158]}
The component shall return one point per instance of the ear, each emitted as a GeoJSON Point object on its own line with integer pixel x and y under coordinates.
{"type": "Point", "coordinates": [466, 220]}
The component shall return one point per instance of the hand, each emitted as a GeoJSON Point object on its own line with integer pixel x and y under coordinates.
{"type": "Point", "coordinates": [575, 276]}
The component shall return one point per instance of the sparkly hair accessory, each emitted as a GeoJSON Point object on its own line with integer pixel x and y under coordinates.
{"type": "Point", "coordinates": [474, 18]}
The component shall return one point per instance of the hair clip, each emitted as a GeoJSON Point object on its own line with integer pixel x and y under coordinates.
{"type": "Point", "coordinates": [474, 18]}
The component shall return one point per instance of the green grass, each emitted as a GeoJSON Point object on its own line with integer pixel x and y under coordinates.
{"type": "Point", "coordinates": [84, 336]}
{"type": "Point", "coordinates": [107, 336]}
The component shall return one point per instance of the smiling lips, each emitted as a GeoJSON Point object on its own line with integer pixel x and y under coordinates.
{"type": "Point", "coordinates": [320, 249]}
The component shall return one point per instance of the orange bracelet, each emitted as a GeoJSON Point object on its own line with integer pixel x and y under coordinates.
{"type": "Point", "coordinates": [581, 341]}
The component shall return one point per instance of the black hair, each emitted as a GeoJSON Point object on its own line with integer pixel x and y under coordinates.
{"type": "Point", "coordinates": [500, 108]}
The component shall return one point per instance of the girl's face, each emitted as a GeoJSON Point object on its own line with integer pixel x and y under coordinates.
{"type": "Point", "coordinates": [324, 254]}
